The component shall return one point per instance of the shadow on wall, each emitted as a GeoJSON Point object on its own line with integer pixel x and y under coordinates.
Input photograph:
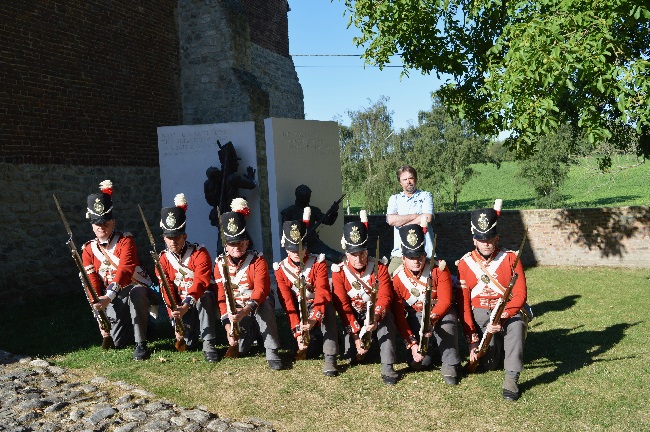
{"type": "Point", "coordinates": [603, 231]}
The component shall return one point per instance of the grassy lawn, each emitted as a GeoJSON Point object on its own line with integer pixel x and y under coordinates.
{"type": "Point", "coordinates": [585, 186]}
{"type": "Point", "coordinates": [586, 368]}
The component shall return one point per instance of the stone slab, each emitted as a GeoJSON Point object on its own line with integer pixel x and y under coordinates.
{"type": "Point", "coordinates": [185, 153]}
{"type": "Point", "coordinates": [303, 152]}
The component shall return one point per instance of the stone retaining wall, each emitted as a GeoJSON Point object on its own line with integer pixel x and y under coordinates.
{"type": "Point", "coordinates": [611, 237]}
{"type": "Point", "coordinates": [34, 258]}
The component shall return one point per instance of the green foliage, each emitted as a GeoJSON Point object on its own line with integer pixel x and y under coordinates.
{"type": "Point", "coordinates": [548, 167]}
{"type": "Point", "coordinates": [370, 154]}
{"type": "Point", "coordinates": [527, 67]}
{"type": "Point", "coordinates": [443, 150]}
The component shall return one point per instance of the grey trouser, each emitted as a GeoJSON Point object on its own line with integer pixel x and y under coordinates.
{"type": "Point", "coordinates": [199, 320]}
{"type": "Point", "coordinates": [395, 261]}
{"type": "Point", "coordinates": [129, 315]}
{"type": "Point", "coordinates": [445, 336]}
{"type": "Point", "coordinates": [510, 341]}
{"type": "Point", "coordinates": [327, 332]}
{"type": "Point", "coordinates": [263, 324]}
{"type": "Point", "coordinates": [385, 334]}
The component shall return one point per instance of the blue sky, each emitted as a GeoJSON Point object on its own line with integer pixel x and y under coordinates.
{"type": "Point", "coordinates": [334, 85]}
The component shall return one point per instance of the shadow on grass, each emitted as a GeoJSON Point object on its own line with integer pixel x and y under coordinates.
{"type": "Point", "coordinates": [512, 204]}
{"type": "Point", "coordinates": [562, 304]}
{"type": "Point", "coordinates": [612, 201]}
{"type": "Point", "coordinates": [569, 350]}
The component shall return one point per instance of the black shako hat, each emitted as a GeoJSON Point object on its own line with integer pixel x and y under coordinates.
{"type": "Point", "coordinates": [172, 219]}
{"type": "Point", "coordinates": [227, 151]}
{"type": "Point", "coordinates": [292, 232]}
{"type": "Point", "coordinates": [412, 239]}
{"type": "Point", "coordinates": [355, 237]}
{"type": "Point", "coordinates": [234, 227]}
{"type": "Point", "coordinates": [484, 223]}
{"type": "Point", "coordinates": [99, 206]}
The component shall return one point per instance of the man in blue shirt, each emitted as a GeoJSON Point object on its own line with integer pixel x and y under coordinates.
{"type": "Point", "coordinates": [406, 208]}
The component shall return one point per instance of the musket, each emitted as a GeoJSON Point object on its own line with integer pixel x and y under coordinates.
{"type": "Point", "coordinates": [495, 316]}
{"type": "Point", "coordinates": [323, 218]}
{"type": "Point", "coordinates": [100, 316]}
{"type": "Point", "coordinates": [366, 339]}
{"type": "Point", "coordinates": [179, 326]}
{"type": "Point", "coordinates": [302, 303]}
{"type": "Point", "coordinates": [231, 305]}
{"type": "Point", "coordinates": [425, 324]}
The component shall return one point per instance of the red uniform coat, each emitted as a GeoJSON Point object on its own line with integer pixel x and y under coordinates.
{"type": "Point", "coordinates": [101, 275]}
{"type": "Point", "coordinates": [412, 293]}
{"type": "Point", "coordinates": [198, 261]}
{"type": "Point", "coordinates": [317, 283]}
{"type": "Point", "coordinates": [478, 293]}
{"type": "Point", "coordinates": [345, 305]}
{"type": "Point", "coordinates": [254, 285]}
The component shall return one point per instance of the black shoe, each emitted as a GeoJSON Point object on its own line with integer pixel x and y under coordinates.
{"type": "Point", "coordinates": [451, 380]}
{"type": "Point", "coordinates": [141, 352]}
{"type": "Point", "coordinates": [389, 380]}
{"type": "Point", "coordinates": [210, 352]}
{"type": "Point", "coordinates": [330, 369]}
{"type": "Point", "coordinates": [276, 365]}
{"type": "Point", "coordinates": [509, 395]}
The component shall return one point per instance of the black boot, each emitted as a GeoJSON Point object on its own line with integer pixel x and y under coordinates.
{"type": "Point", "coordinates": [329, 367]}
{"type": "Point", "coordinates": [510, 388]}
{"type": "Point", "coordinates": [141, 352]}
{"type": "Point", "coordinates": [210, 351]}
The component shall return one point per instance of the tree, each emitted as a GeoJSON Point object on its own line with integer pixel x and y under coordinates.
{"type": "Point", "coordinates": [370, 154]}
{"type": "Point", "coordinates": [444, 149]}
{"type": "Point", "coordinates": [548, 166]}
{"type": "Point", "coordinates": [524, 66]}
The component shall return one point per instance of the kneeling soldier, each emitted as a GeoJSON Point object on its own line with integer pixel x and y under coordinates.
{"type": "Point", "coordinates": [410, 284]}
{"type": "Point", "coordinates": [484, 274]}
{"type": "Point", "coordinates": [353, 282]}
{"type": "Point", "coordinates": [188, 268]}
{"type": "Point", "coordinates": [111, 262]}
{"type": "Point", "coordinates": [248, 273]}
{"type": "Point", "coordinates": [312, 271]}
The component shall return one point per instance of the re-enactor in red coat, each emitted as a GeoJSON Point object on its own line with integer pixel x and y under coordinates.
{"type": "Point", "coordinates": [321, 318]}
{"type": "Point", "coordinates": [251, 283]}
{"type": "Point", "coordinates": [353, 281]}
{"type": "Point", "coordinates": [188, 271]}
{"type": "Point", "coordinates": [484, 274]}
{"type": "Point", "coordinates": [410, 284]}
{"type": "Point", "coordinates": [111, 262]}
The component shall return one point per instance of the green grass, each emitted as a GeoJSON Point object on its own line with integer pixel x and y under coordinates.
{"type": "Point", "coordinates": [586, 368]}
{"type": "Point", "coordinates": [586, 187]}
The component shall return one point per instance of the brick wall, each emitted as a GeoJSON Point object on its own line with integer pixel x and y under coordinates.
{"type": "Point", "coordinates": [269, 24]}
{"type": "Point", "coordinates": [612, 237]}
{"type": "Point", "coordinates": [87, 83]}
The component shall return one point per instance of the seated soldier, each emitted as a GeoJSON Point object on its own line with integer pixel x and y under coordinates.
{"type": "Point", "coordinates": [188, 270]}
{"type": "Point", "coordinates": [250, 283]}
{"type": "Point", "coordinates": [410, 283]}
{"type": "Point", "coordinates": [353, 281]}
{"type": "Point", "coordinates": [320, 331]}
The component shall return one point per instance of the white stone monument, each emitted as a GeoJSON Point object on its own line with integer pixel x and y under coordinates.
{"type": "Point", "coordinates": [185, 153]}
{"type": "Point", "coordinates": [303, 152]}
